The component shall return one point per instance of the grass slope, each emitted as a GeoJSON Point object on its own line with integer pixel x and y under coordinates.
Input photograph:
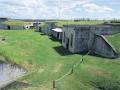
{"type": "Point", "coordinates": [61, 23]}
{"type": "Point", "coordinates": [114, 39]}
{"type": "Point", "coordinates": [37, 54]}
{"type": "Point", "coordinates": [15, 22]}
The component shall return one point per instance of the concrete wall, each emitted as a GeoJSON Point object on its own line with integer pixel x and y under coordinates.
{"type": "Point", "coordinates": [47, 28]}
{"type": "Point", "coordinates": [80, 39]}
{"type": "Point", "coordinates": [17, 27]}
{"type": "Point", "coordinates": [36, 27]}
{"type": "Point", "coordinates": [68, 39]}
{"type": "Point", "coordinates": [2, 26]}
{"type": "Point", "coordinates": [57, 35]}
{"type": "Point", "coordinates": [99, 29]}
{"type": "Point", "coordinates": [105, 29]}
{"type": "Point", "coordinates": [102, 47]}
{"type": "Point", "coordinates": [11, 27]}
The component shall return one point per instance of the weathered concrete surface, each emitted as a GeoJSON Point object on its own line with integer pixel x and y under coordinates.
{"type": "Point", "coordinates": [79, 39]}
{"type": "Point", "coordinates": [106, 29]}
{"type": "Point", "coordinates": [102, 47]}
{"type": "Point", "coordinates": [37, 28]}
{"type": "Point", "coordinates": [47, 28]}
{"type": "Point", "coordinates": [2, 26]}
{"type": "Point", "coordinates": [97, 29]}
{"type": "Point", "coordinates": [14, 27]}
{"type": "Point", "coordinates": [57, 33]}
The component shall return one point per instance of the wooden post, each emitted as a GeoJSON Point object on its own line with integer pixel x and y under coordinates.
{"type": "Point", "coordinates": [71, 71]}
{"type": "Point", "coordinates": [82, 58]}
{"type": "Point", "coordinates": [53, 84]}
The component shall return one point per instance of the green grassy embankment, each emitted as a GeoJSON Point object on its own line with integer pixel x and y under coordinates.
{"type": "Point", "coordinates": [37, 53]}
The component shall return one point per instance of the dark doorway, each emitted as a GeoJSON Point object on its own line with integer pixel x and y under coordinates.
{"type": "Point", "coordinates": [57, 34]}
{"type": "Point", "coordinates": [8, 27]}
{"type": "Point", "coordinates": [67, 43]}
{"type": "Point", "coordinates": [40, 29]}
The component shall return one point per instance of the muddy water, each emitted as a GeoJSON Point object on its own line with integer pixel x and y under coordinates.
{"type": "Point", "coordinates": [10, 73]}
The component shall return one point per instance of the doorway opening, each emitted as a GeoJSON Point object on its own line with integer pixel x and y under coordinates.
{"type": "Point", "coordinates": [8, 27]}
{"type": "Point", "coordinates": [67, 43]}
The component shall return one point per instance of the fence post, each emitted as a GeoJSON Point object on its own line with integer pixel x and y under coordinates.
{"type": "Point", "coordinates": [53, 84]}
{"type": "Point", "coordinates": [71, 72]}
{"type": "Point", "coordinates": [82, 58]}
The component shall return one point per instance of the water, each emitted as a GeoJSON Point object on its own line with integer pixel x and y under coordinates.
{"type": "Point", "coordinates": [10, 73]}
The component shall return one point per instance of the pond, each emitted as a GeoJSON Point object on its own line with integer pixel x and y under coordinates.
{"type": "Point", "coordinates": [9, 73]}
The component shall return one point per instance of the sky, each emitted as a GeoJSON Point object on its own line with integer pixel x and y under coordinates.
{"type": "Point", "coordinates": [60, 9]}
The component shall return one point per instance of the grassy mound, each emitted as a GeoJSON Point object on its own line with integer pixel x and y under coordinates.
{"type": "Point", "coordinates": [45, 62]}
{"type": "Point", "coordinates": [15, 22]}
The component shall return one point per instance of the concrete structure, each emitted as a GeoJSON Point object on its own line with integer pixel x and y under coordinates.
{"type": "Point", "coordinates": [47, 28]}
{"type": "Point", "coordinates": [14, 27]}
{"type": "Point", "coordinates": [3, 19]}
{"type": "Point", "coordinates": [103, 48]}
{"type": "Point", "coordinates": [37, 28]}
{"type": "Point", "coordinates": [57, 33]}
{"type": "Point", "coordinates": [105, 29]}
{"type": "Point", "coordinates": [3, 26]}
{"type": "Point", "coordinates": [29, 26]}
{"type": "Point", "coordinates": [84, 38]}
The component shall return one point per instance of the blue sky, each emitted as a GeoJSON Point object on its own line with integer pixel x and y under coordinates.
{"type": "Point", "coordinates": [60, 9]}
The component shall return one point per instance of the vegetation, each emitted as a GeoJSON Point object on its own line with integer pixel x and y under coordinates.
{"type": "Point", "coordinates": [114, 39]}
{"type": "Point", "coordinates": [61, 23]}
{"type": "Point", "coordinates": [46, 60]}
{"type": "Point", "coordinates": [15, 22]}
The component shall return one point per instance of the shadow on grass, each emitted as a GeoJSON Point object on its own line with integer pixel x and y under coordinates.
{"type": "Point", "coordinates": [42, 34]}
{"type": "Point", "coordinates": [96, 55]}
{"type": "Point", "coordinates": [54, 39]}
{"type": "Point", "coordinates": [16, 85]}
{"type": "Point", "coordinates": [62, 51]}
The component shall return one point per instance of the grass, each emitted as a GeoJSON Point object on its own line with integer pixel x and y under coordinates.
{"type": "Point", "coordinates": [37, 53]}
{"type": "Point", "coordinates": [15, 22]}
{"type": "Point", "coordinates": [114, 39]}
{"type": "Point", "coordinates": [61, 23]}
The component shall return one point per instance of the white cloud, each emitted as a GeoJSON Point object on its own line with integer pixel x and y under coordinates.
{"type": "Point", "coordinates": [92, 7]}
{"type": "Point", "coordinates": [50, 8]}
{"type": "Point", "coordinates": [23, 8]}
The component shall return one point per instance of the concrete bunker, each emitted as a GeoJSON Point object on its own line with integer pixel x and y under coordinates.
{"type": "Point", "coordinates": [57, 33]}
{"type": "Point", "coordinates": [14, 27]}
{"type": "Point", "coordinates": [82, 38]}
{"type": "Point", "coordinates": [47, 28]}
{"type": "Point", "coordinates": [37, 27]}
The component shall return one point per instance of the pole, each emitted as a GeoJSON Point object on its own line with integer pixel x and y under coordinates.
{"type": "Point", "coordinates": [53, 84]}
